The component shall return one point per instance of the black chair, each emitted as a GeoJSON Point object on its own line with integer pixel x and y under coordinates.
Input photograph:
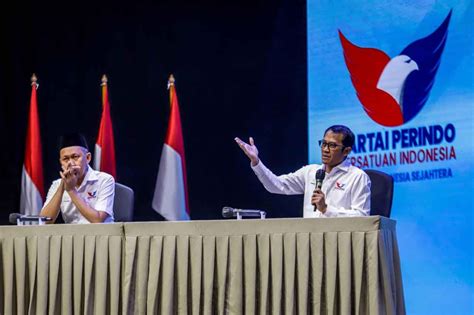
{"type": "Point", "coordinates": [381, 192]}
{"type": "Point", "coordinates": [123, 203]}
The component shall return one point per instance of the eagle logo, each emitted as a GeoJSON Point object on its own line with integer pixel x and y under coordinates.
{"type": "Point", "coordinates": [393, 91]}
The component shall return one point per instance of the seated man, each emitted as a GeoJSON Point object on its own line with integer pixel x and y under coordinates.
{"type": "Point", "coordinates": [345, 190]}
{"type": "Point", "coordinates": [82, 194]}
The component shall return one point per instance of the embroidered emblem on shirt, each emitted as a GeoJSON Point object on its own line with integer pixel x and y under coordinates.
{"type": "Point", "coordinates": [340, 186]}
{"type": "Point", "coordinates": [91, 195]}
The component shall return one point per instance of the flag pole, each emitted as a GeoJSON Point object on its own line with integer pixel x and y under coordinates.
{"type": "Point", "coordinates": [170, 81]}
{"type": "Point", "coordinates": [32, 188]}
{"type": "Point", "coordinates": [171, 194]}
{"type": "Point", "coordinates": [104, 156]}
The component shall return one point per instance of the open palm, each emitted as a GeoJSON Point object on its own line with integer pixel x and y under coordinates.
{"type": "Point", "coordinates": [249, 149]}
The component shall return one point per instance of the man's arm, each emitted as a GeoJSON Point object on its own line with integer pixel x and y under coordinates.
{"type": "Point", "coordinates": [53, 202]}
{"type": "Point", "coordinates": [289, 184]}
{"type": "Point", "coordinates": [91, 214]}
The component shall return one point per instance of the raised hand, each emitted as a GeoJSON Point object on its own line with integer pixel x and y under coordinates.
{"type": "Point", "coordinates": [70, 177]}
{"type": "Point", "coordinates": [249, 149]}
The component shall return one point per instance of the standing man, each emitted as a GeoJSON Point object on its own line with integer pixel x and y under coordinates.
{"type": "Point", "coordinates": [345, 191]}
{"type": "Point", "coordinates": [82, 194]}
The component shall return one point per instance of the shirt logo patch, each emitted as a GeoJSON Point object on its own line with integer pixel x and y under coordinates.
{"type": "Point", "coordinates": [91, 195]}
{"type": "Point", "coordinates": [340, 186]}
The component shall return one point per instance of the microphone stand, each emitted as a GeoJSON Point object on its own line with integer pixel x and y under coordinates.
{"type": "Point", "coordinates": [262, 215]}
{"type": "Point", "coordinates": [31, 221]}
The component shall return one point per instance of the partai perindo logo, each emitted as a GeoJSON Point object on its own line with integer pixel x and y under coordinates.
{"type": "Point", "coordinates": [393, 91]}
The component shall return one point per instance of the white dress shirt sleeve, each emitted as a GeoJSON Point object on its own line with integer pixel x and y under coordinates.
{"type": "Point", "coordinates": [289, 184]}
{"type": "Point", "coordinates": [52, 190]}
{"type": "Point", "coordinates": [360, 200]}
{"type": "Point", "coordinates": [105, 196]}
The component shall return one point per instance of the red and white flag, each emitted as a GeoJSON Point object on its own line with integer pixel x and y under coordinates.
{"type": "Point", "coordinates": [32, 187]}
{"type": "Point", "coordinates": [171, 193]}
{"type": "Point", "coordinates": [104, 156]}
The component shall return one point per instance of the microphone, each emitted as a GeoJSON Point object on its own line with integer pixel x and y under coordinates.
{"type": "Point", "coordinates": [15, 218]}
{"type": "Point", "coordinates": [320, 174]}
{"type": "Point", "coordinates": [229, 212]}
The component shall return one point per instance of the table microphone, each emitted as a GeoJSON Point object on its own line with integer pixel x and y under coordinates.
{"type": "Point", "coordinates": [13, 218]}
{"type": "Point", "coordinates": [320, 174]}
{"type": "Point", "coordinates": [229, 212]}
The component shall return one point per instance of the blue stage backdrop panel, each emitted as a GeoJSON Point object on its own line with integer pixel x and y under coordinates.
{"type": "Point", "coordinates": [400, 75]}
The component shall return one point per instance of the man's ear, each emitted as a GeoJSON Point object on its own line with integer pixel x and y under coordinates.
{"type": "Point", "coordinates": [346, 151]}
{"type": "Point", "coordinates": [88, 157]}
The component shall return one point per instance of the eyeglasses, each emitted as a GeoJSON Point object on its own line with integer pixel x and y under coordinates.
{"type": "Point", "coordinates": [330, 145]}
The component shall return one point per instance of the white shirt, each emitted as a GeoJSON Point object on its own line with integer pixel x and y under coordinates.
{"type": "Point", "coordinates": [97, 190]}
{"type": "Point", "coordinates": [346, 188]}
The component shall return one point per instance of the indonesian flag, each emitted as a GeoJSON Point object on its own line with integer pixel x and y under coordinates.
{"type": "Point", "coordinates": [171, 193]}
{"type": "Point", "coordinates": [104, 157]}
{"type": "Point", "coordinates": [32, 188]}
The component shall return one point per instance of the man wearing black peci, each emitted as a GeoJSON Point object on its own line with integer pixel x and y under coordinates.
{"type": "Point", "coordinates": [82, 194]}
{"type": "Point", "coordinates": [345, 191]}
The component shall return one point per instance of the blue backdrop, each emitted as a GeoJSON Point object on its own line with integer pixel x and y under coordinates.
{"type": "Point", "coordinates": [400, 75]}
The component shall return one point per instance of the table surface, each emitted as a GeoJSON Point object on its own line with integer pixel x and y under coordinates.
{"type": "Point", "coordinates": [333, 265]}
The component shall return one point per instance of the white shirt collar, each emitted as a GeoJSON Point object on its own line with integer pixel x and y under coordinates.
{"type": "Point", "coordinates": [343, 166]}
{"type": "Point", "coordinates": [91, 176]}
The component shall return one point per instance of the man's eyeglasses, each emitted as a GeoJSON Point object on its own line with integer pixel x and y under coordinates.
{"type": "Point", "coordinates": [330, 145]}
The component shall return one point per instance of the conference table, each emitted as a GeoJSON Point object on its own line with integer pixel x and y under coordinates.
{"type": "Point", "coordinates": [251, 266]}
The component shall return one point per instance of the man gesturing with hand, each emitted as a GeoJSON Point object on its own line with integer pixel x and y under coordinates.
{"type": "Point", "coordinates": [82, 194]}
{"type": "Point", "coordinates": [345, 190]}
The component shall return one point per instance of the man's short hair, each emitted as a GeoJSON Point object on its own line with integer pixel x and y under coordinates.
{"type": "Point", "coordinates": [72, 140]}
{"type": "Point", "coordinates": [349, 138]}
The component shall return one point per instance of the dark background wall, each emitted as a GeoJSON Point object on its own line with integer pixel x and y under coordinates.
{"type": "Point", "coordinates": [240, 70]}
